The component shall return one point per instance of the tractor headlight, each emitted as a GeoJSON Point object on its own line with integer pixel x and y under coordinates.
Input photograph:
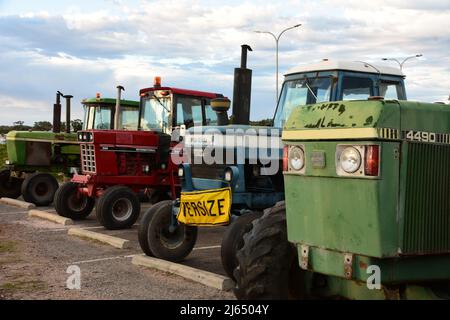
{"type": "Point", "coordinates": [350, 160]}
{"type": "Point", "coordinates": [80, 136]}
{"type": "Point", "coordinates": [180, 171]}
{"type": "Point", "coordinates": [85, 137]}
{"type": "Point", "coordinates": [228, 175]}
{"type": "Point", "coordinates": [296, 158]}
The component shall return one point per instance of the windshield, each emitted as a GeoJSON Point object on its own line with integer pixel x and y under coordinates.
{"type": "Point", "coordinates": [299, 93]}
{"type": "Point", "coordinates": [97, 117]}
{"type": "Point", "coordinates": [129, 117]}
{"type": "Point", "coordinates": [155, 114]}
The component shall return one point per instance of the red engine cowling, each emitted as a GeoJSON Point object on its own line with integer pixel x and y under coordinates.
{"type": "Point", "coordinates": [132, 153]}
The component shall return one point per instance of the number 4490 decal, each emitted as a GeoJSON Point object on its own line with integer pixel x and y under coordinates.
{"type": "Point", "coordinates": [424, 136]}
{"type": "Point", "coordinates": [420, 136]}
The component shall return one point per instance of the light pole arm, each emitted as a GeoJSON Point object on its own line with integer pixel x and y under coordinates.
{"type": "Point", "coordinates": [281, 33]}
{"type": "Point", "coordinates": [406, 59]}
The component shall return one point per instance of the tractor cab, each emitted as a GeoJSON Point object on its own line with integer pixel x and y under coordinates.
{"type": "Point", "coordinates": [99, 114]}
{"type": "Point", "coordinates": [164, 109]}
{"type": "Point", "coordinates": [337, 81]}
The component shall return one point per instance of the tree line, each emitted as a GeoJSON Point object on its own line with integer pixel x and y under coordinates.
{"type": "Point", "coordinates": [75, 125]}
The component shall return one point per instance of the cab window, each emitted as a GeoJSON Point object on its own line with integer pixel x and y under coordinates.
{"type": "Point", "coordinates": [129, 118]}
{"type": "Point", "coordinates": [357, 88]}
{"type": "Point", "coordinates": [390, 90]}
{"type": "Point", "coordinates": [102, 119]}
{"type": "Point", "coordinates": [89, 117]}
{"type": "Point", "coordinates": [301, 92]}
{"type": "Point", "coordinates": [189, 112]}
{"type": "Point", "coordinates": [211, 115]}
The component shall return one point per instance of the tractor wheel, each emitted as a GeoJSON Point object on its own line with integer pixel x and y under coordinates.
{"type": "Point", "coordinates": [233, 240]}
{"type": "Point", "coordinates": [39, 188]}
{"type": "Point", "coordinates": [267, 263]}
{"type": "Point", "coordinates": [143, 225]}
{"type": "Point", "coordinates": [160, 241]}
{"type": "Point", "coordinates": [118, 208]}
{"type": "Point", "coordinates": [10, 187]}
{"type": "Point", "coordinates": [71, 204]}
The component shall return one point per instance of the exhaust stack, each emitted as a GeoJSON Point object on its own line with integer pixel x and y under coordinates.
{"type": "Point", "coordinates": [57, 113]}
{"type": "Point", "coordinates": [68, 97]}
{"type": "Point", "coordinates": [242, 90]}
{"type": "Point", "coordinates": [117, 111]}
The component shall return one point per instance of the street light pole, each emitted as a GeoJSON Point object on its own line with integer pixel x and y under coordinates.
{"type": "Point", "coordinates": [404, 60]}
{"type": "Point", "coordinates": [277, 40]}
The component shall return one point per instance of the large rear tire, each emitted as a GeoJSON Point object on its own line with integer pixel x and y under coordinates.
{"type": "Point", "coordinates": [10, 187]}
{"type": "Point", "coordinates": [71, 204]}
{"type": "Point", "coordinates": [267, 263]}
{"type": "Point", "coordinates": [159, 241]}
{"type": "Point", "coordinates": [118, 208]}
{"type": "Point", "coordinates": [39, 188]}
{"type": "Point", "coordinates": [233, 241]}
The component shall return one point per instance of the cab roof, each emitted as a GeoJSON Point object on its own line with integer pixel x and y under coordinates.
{"type": "Point", "coordinates": [356, 66]}
{"type": "Point", "coordinates": [183, 92]}
{"type": "Point", "coordinates": [111, 101]}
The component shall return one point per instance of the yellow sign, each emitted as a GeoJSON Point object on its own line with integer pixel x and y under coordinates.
{"type": "Point", "coordinates": [203, 208]}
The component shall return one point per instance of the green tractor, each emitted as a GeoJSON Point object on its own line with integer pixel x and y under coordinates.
{"type": "Point", "coordinates": [367, 206]}
{"type": "Point", "coordinates": [36, 158]}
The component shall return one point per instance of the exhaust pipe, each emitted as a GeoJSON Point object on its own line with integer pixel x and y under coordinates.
{"type": "Point", "coordinates": [117, 111]}
{"type": "Point", "coordinates": [57, 113]}
{"type": "Point", "coordinates": [68, 97]}
{"type": "Point", "coordinates": [242, 90]}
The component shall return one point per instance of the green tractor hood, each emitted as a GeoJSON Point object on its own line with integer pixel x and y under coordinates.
{"type": "Point", "coordinates": [36, 147]}
{"type": "Point", "coordinates": [381, 119]}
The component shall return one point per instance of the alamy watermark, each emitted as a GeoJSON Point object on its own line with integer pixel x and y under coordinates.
{"type": "Point", "coordinates": [73, 282]}
{"type": "Point", "coordinates": [232, 147]}
{"type": "Point", "coordinates": [374, 280]}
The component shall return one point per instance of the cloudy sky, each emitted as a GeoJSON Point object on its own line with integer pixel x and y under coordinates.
{"type": "Point", "coordinates": [84, 47]}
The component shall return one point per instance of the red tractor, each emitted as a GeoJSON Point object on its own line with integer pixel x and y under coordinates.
{"type": "Point", "coordinates": [116, 165]}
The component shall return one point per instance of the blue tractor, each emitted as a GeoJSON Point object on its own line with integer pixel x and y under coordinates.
{"type": "Point", "coordinates": [233, 171]}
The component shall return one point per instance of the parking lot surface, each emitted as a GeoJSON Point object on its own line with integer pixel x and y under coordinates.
{"type": "Point", "coordinates": [35, 255]}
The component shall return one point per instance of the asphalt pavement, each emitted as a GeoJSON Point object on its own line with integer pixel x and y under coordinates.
{"type": "Point", "coordinates": [35, 256]}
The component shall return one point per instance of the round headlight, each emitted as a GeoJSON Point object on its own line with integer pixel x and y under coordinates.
{"type": "Point", "coordinates": [228, 175]}
{"type": "Point", "coordinates": [350, 160]}
{"type": "Point", "coordinates": [296, 158]}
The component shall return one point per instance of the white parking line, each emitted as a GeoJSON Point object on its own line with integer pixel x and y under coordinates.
{"type": "Point", "coordinates": [131, 256]}
{"type": "Point", "coordinates": [65, 229]}
{"type": "Point", "coordinates": [105, 259]}
{"type": "Point", "coordinates": [204, 248]}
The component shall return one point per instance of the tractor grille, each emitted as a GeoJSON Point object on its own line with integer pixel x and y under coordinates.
{"type": "Point", "coordinates": [88, 158]}
{"type": "Point", "coordinates": [427, 200]}
{"type": "Point", "coordinates": [215, 171]}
